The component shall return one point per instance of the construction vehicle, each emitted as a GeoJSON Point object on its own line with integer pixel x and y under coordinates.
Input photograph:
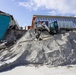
{"type": "Point", "coordinates": [52, 28]}
{"type": "Point", "coordinates": [10, 31]}
{"type": "Point", "coordinates": [7, 22]}
{"type": "Point", "coordinates": [56, 26]}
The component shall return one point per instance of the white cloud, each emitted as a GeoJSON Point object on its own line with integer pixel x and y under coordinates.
{"type": "Point", "coordinates": [61, 6]}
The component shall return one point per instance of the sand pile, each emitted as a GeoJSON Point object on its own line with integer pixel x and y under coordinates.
{"type": "Point", "coordinates": [56, 50]}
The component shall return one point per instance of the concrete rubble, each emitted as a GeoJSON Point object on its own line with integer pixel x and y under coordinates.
{"type": "Point", "coordinates": [56, 50]}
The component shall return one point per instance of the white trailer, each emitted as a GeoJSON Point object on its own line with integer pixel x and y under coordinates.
{"type": "Point", "coordinates": [65, 24]}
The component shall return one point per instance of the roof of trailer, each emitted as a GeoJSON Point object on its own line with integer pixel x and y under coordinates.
{"type": "Point", "coordinates": [47, 16]}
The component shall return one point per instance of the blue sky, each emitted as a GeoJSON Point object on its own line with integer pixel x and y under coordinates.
{"type": "Point", "coordinates": [23, 10]}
